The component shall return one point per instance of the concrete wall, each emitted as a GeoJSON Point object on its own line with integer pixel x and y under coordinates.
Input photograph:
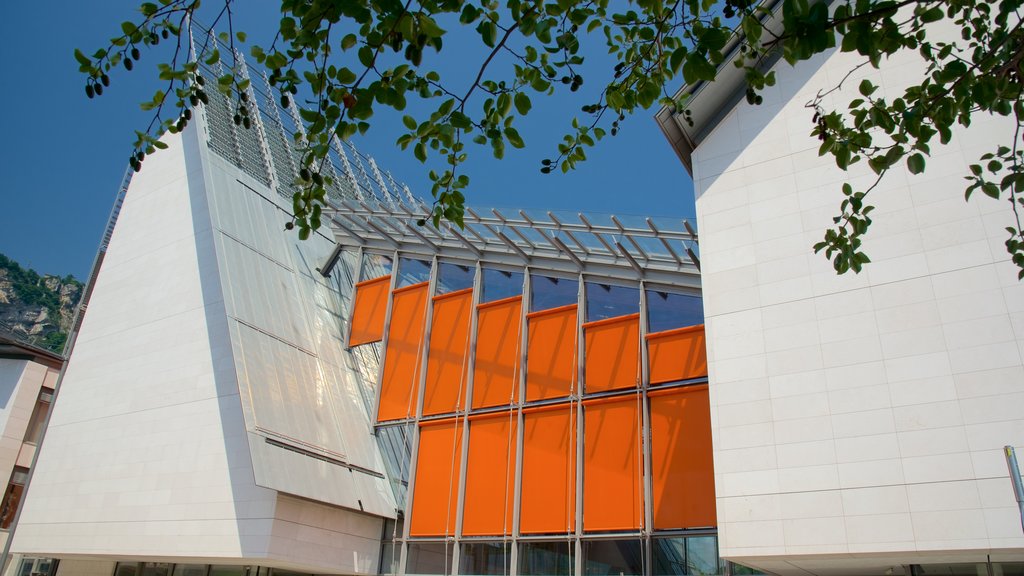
{"type": "Point", "coordinates": [858, 420]}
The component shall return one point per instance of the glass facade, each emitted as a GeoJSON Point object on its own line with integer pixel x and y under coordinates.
{"type": "Point", "coordinates": [535, 463]}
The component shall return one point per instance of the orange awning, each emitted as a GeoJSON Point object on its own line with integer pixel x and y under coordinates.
{"type": "Point", "coordinates": [436, 492]}
{"type": "Point", "coordinates": [681, 458]}
{"type": "Point", "coordinates": [371, 305]}
{"type": "Point", "coordinates": [548, 499]}
{"type": "Point", "coordinates": [490, 475]}
{"type": "Point", "coordinates": [678, 354]}
{"type": "Point", "coordinates": [448, 354]}
{"type": "Point", "coordinates": [498, 337]}
{"type": "Point", "coordinates": [612, 348]}
{"type": "Point", "coordinates": [399, 385]}
{"type": "Point", "coordinates": [551, 353]}
{"type": "Point", "coordinates": [612, 482]}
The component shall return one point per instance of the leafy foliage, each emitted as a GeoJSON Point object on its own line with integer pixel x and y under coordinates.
{"type": "Point", "coordinates": [30, 289]}
{"type": "Point", "coordinates": [357, 56]}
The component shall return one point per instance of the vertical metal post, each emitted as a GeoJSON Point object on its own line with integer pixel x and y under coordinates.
{"type": "Point", "coordinates": [524, 307]}
{"type": "Point", "coordinates": [384, 341]}
{"type": "Point", "coordinates": [648, 478]}
{"type": "Point", "coordinates": [1018, 485]}
{"type": "Point", "coordinates": [346, 332]}
{"type": "Point", "coordinates": [467, 398]}
{"type": "Point", "coordinates": [581, 308]}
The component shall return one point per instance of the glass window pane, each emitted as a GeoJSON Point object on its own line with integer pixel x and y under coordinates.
{"type": "Point", "coordinates": [226, 570]}
{"type": "Point", "coordinates": [26, 566]}
{"type": "Point", "coordinates": [702, 555]}
{"type": "Point", "coordinates": [547, 292]}
{"type": "Point", "coordinates": [500, 284]}
{"type": "Point", "coordinates": [555, 558]}
{"type": "Point", "coordinates": [668, 556]}
{"type": "Point", "coordinates": [614, 557]}
{"type": "Point", "coordinates": [429, 558]}
{"type": "Point", "coordinates": [375, 266]}
{"type": "Point", "coordinates": [667, 310]}
{"type": "Point", "coordinates": [155, 569]}
{"type": "Point", "coordinates": [485, 558]}
{"type": "Point", "coordinates": [126, 569]}
{"type": "Point", "coordinates": [609, 301]}
{"type": "Point", "coordinates": [412, 272]}
{"type": "Point", "coordinates": [622, 558]}
{"type": "Point", "coordinates": [190, 570]}
{"type": "Point", "coordinates": [452, 277]}
{"type": "Point", "coordinates": [388, 558]}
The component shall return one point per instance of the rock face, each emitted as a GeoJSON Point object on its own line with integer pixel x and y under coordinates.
{"type": "Point", "coordinates": [37, 309]}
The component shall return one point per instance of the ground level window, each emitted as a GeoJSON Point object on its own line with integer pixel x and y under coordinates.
{"type": "Point", "coordinates": [485, 558]}
{"type": "Point", "coordinates": [429, 558]}
{"type": "Point", "coordinates": [619, 557]}
{"type": "Point", "coordinates": [554, 558]}
{"type": "Point", "coordinates": [190, 569]}
{"type": "Point", "coordinates": [690, 555]}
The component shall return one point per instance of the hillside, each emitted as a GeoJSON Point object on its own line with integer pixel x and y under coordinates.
{"type": "Point", "coordinates": [37, 309]}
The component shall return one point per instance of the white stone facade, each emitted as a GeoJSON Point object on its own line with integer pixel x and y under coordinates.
{"type": "Point", "coordinates": [147, 456]}
{"type": "Point", "coordinates": [858, 420]}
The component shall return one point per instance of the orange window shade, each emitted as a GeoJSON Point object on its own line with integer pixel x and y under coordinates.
{"type": "Point", "coordinates": [612, 484]}
{"type": "Point", "coordinates": [490, 475]}
{"type": "Point", "coordinates": [436, 489]}
{"type": "Point", "coordinates": [681, 461]}
{"type": "Point", "coordinates": [399, 384]}
{"type": "Point", "coordinates": [448, 354]}
{"type": "Point", "coordinates": [551, 353]}
{"type": "Point", "coordinates": [548, 499]}
{"type": "Point", "coordinates": [369, 311]}
{"type": "Point", "coordinates": [612, 349]}
{"type": "Point", "coordinates": [678, 354]}
{"type": "Point", "coordinates": [495, 370]}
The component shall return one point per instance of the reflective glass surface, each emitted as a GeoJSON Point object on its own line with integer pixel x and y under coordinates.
{"type": "Point", "coordinates": [547, 292]}
{"type": "Point", "coordinates": [554, 558]}
{"type": "Point", "coordinates": [485, 558]}
{"type": "Point", "coordinates": [609, 301]}
{"type": "Point", "coordinates": [613, 557]}
{"type": "Point", "coordinates": [412, 272]}
{"type": "Point", "coordinates": [429, 558]}
{"type": "Point", "coordinates": [667, 310]}
{"type": "Point", "coordinates": [452, 277]}
{"type": "Point", "coordinates": [500, 284]}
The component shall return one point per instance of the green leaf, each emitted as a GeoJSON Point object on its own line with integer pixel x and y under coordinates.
{"type": "Point", "coordinates": [513, 137]}
{"type": "Point", "coordinates": [409, 122]}
{"type": "Point", "coordinates": [82, 58]}
{"type": "Point", "coordinates": [240, 35]}
{"type": "Point", "coordinates": [867, 88]}
{"type": "Point", "coordinates": [348, 41]}
{"type": "Point", "coordinates": [915, 163]}
{"type": "Point", "coordinates": [522, 102]}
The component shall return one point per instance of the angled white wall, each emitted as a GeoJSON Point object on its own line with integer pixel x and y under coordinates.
{"type": "Point", "coordinates": [147, 455]}
{"type": "Point", "coordinates": [858, 420]}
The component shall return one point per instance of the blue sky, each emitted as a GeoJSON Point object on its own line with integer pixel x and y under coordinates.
{"type": "Point", "coordinates": [63, 155]}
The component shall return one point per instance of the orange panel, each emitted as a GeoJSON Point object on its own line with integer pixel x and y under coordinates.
{"type": "Point", "coordinates": [612, 353]}
{"type": "Point", "coordinates": [400, 383]}
{"type": "Point", "coordinates": [678, 354]}
{"type": "Point", "coordinates": [369, 310]}
{"type": "Point", "coordinates": [448, 355]}
{"type": "Point", "coordinates": [681, 462]}
{"type": "Point", "coordinates": [436, 489]}
{"type": "Point", "coordinates": [551, 353]}
{"type": "Point", "coordinates": [495, 371]}
{"type": "Point", "coordinates": [612, 483]}
{"type": "Point", "coordinates": [490, 475]}
{"type": "Point", "coordinates": [548, 500]}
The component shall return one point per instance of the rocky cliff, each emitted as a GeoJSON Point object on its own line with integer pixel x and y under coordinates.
{"type": "Point", "coordinates": [37, 309]}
